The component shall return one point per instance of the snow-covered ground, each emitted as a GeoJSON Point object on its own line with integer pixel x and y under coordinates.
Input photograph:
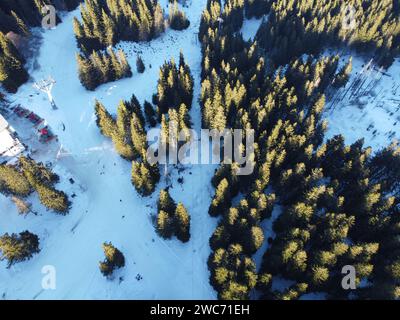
{"type": "Point", "coordinates": [250, 28]}
{"type": "Point", "coordinates": [368, 107]}
{"type": "Point", "coordinates": [106, 206]}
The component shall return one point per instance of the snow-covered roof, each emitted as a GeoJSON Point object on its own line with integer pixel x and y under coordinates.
{"type": "Point", "coordinates": [3, 123]}
{"type": "Point", "coordinates": [10, 146]}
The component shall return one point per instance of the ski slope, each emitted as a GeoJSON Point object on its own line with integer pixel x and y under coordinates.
{"type": "Point", "coordinates": [107, 208]}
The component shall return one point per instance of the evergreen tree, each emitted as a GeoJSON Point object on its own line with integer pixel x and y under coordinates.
{"type": "Point", "coordinates": [114, 259]}
{"type": "Point", "coordinates": [177, 18]}
{"type": "Point", "coordinates": [172, 219]}
{"type": "Point", "coordinates": [182, 223]}
{"type": "Point", "coordinates": [344, 75]}
{"type": "Point", "coordinates": [104, 23]}
{"type": "Point", "coordinates": [15, 248]}
{"type": "Point", "coordinates": [104, 120]}
{"type": "Point", "coordinates": [42, 180]}
{"type": "Point", "coordinates": [151, 116]}
{"type": "Point", "coordinates": [99, 68]}
{"type": "Point", "coordinates": [138, 135]}
{"type": "Point", "coordinates": [12, 72]}
{"type": "Point", "coordinates": [221, 200]}
{"type": "Point", "coordinates": [144, 177]}
{"type": "Point", "coordinates": [14, 182]}
{"type": "Point", "coordinates": [122, 136]}
{"type": "Point", "coordinates": [140, 64]}
{"type": "Point", "coordinates": [53, 199]}
{"type": "Point", "coordinates": [175, 86]}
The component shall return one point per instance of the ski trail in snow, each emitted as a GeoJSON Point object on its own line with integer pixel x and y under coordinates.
{"type": "Point", "coordinates": [102, 199]}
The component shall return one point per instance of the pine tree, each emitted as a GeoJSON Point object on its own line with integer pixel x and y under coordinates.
{"type": "Point", "coordinates": [53, 199]}
{"type": "Point", "coordinates": [125, 67]}
{"type": "Point", "coordinates": [144, 177]}
{"type": "Point", "coordinates": [137, 109]}
{"type": "Point", "coordinates": [109, 29]}
{"type": "Point", "coordinates": [175, 86]}
{"type": "Point", "coordinates": [122, 136]}
{"type": "Point", "coordinates": [23, 28]}
{"type": "Point", "coordinates": [344, 75]}
{"type": "Point", "coordinates": [140, 67]}
{"type": "Point", "coordinates": [182, 223]}
{"type": "Point", "coordinates": [107, 22]}
{"type": "Point", "coordinates": [159, 24]}
{"type": "Point", "coordinates": [114, 259]}
{"type": "Point", "coordinates": [99, 68]}
{"type": "Point", "coordinates": [177, 18]}
{"type": "Point", "coordinates": [12, 72]}
{"type": "Point", "coordinates": [39, 171]}
{"type": "Point", "coordinates": [165, 227]}
{"type": "Point", "coordinates": [14, 182]}
{"type": "Point", "coordinates": [104, 120]}
{"type": "Point", "coordinates": [15, 248]}
{"type": "Point", "coordinates": [221, 200]}
{"type": "Point", "coordinates": [138, 136]}
{"type": "Point", "coordinates": [165, 202]}
{"type": "Point", "coordinates": [172, 219]}
{"type": "Point", "coordinates": [123, 147]}
{"type": "Point", "coordinates": [151, 116]}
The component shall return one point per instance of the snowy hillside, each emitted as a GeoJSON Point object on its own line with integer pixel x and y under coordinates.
{"type": "Point", "coordinates": [105, 206]}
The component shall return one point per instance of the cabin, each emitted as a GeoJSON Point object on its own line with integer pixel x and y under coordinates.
{"type": "Point", "coordinates": [10, 146]}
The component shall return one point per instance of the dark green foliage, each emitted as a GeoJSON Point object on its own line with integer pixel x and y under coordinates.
{"type": "Point", "coordinates": [104, 23]}
{"type": "Point", "coordinates": [114, 259]}
{"type": "Point", "coordinates": [385, 169]}
{"type": "Point", "coordinates": [39, 171]}
{"type": "Point", "coordinates": [303, 26]}
{"type": "Point", "coordinates": [101, 68]}
{"type": "Point", "coordinates": [182, 219]}
{"type": "Point", "coordinates": [344, 75]}
{"type": "Point", "coordinates": [104, 120]}
{"type": "Point", "coordinates": [232, 16]}
{"type": "Point", "coordinates": [42, 180]}
{"type": "Point", "coordinates": [18, 15]}
{"type": "Point", "coordinates": [175, 86]}
{"type": "Point", "coordinates": [172, 219]}
{"type": "Point", "coordinates": [29, 175]}
{"type": "Point", "coordinates": [127, 131]}
{"type": "Point", "coordinates": [256, 8]}
{"type": "Point", "coordinates": [53, 199]}
{"type": "Point", "coordinates": [233, 274]}
{"type": "Point", "coordinates": [336, 205]}
{"type": "Point", "coordinates": [13, 182]}
{"type": "Point", "coordinates": [150, 114]}
{"type": "Point", "coordinates": [222, 199]}
{"type": "Point", "coordinates": [177, 19]}
{"type": "Point", "coordinates": [12, 71]}
{"type": "Point", "coordinates": [239, 225]}
{"type": "Point", "coordinates": [145, 177]}
{"type": "Point", "coordinates": [128, 134]}
{"type": "Point", "coordinates": [16, 248]}
{"type": "Point", "coordinates": [140, 65]}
